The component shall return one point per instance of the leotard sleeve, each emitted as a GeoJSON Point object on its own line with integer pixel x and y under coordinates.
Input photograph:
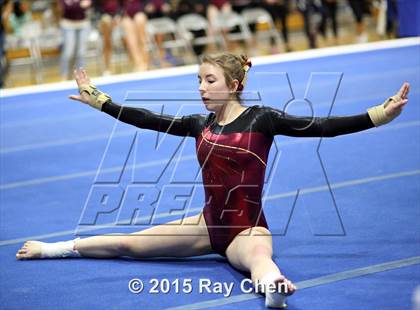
{"type": "Point", "coordinates": [190, 125]}
{"type": "Point", "coordinates": [277, 122]}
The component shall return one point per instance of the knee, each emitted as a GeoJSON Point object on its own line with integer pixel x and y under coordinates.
{"type": "Point", "coordinates": [106, 21]}
{"type": "Point", "coordinates": [140, 19]}
{"type": "Point", "coordinates": [127, 23]}
{"type": "Point", "coordinates": [260, 253]}
{"type": "Point", "coordinates": [261, 250]}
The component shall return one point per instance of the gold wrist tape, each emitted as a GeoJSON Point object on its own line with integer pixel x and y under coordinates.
{"type": "Point", "coordinates": [377, 113]}
{"type": "Point", "coordinates": [97, 98]}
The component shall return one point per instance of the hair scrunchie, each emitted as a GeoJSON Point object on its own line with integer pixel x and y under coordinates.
{"type": "Point", "coordinates": [245, 67]}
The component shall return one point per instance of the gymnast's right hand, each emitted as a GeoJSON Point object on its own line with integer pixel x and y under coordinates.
{"type": "Point", "coordinates": [89, 94]}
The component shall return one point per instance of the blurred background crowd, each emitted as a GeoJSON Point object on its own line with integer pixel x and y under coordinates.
{"type": "Point", "coordinates": [43, 40]}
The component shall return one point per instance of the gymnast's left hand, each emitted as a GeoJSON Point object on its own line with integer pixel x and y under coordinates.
{"type": "Point", "coordinates": [395, 106]}
{"type": "Point", "coordinates": [81, 78]}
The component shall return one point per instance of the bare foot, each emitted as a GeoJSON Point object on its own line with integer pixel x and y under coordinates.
{"type": "Point", "coordinates": [277, 298]}
{"type": "Point", "coordinates": [291, 288]}
{"type": "Point", "coordinates": [30, 250]}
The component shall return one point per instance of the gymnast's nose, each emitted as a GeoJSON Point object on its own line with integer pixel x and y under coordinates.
{"type": "Point", "coordinates": [202, 88]}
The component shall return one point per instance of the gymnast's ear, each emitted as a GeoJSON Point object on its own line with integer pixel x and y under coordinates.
{"type": "Point", "coordinates": [234, 85]}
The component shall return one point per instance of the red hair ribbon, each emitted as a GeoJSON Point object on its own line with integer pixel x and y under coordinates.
{"type": "Point", "coordinates": [247, 65]}
{"type": "Point", "coordinates": [246, 68]}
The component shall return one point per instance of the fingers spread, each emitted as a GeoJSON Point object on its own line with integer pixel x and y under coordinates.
{"type": "Point", "coordinates": [81, 77]}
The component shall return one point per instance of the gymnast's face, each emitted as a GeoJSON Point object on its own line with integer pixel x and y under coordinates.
{"type": "Point", "coordinates": [213, 89]}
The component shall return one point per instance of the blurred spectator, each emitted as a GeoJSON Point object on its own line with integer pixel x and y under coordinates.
{"type": "Point", "coordinates": [387, 16]}
{"type": "Point", "coordinates": [360, 8]}
{"type": "Point", "coordinates": [309, 10]}
{"type": "Point", "coordinates": [158, 9]}
{"type": "Point", "coordinates": [279, 10]}
{"type": "Point", "coordinates": [191, 6]}
{"type": "Point", "coordinates": [391, 18]}
{"type": "Point", "coordinates": [76, 27]}
{"type": "Point", "coordinates": [19, 17]}
{"type": "Point", "coordinates": [329, 13]}
{"type": "Point", "coordinates": [220, 5]}
{"type": "Point", "coordinates": [6, 8]}
{"type": "Point", "coordinates": [215, 8]}
{"type": "Point", "coordinates": [197, 7]}
{"type": "Point", "coordinates": [239, 5]}
{"type": "Point", "coordinates": [110, 19]}
{"type": "Point", "coordinates": [134, 24]}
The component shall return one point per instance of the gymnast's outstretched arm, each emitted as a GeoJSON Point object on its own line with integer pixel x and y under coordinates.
{"type": "Point", "coordinates": [279, 122]}
{"type": "Point", "coordinates": [181, 126]}
{"type": "Point", "coordinates": [143, 118]}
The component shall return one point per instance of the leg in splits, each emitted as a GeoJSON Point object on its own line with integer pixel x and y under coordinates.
{"type": "Point", "coordinates": [169, 240]}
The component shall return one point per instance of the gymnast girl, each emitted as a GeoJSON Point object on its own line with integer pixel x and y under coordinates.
{"type": "Point", "coordinates": [232, 145]}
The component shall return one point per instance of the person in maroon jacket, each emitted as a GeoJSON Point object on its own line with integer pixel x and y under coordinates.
{"type": "Point", "coordinates": [232, 146]}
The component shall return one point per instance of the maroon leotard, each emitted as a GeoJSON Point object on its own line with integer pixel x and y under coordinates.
{"type": "Point", "coordinates": [233, 157]}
